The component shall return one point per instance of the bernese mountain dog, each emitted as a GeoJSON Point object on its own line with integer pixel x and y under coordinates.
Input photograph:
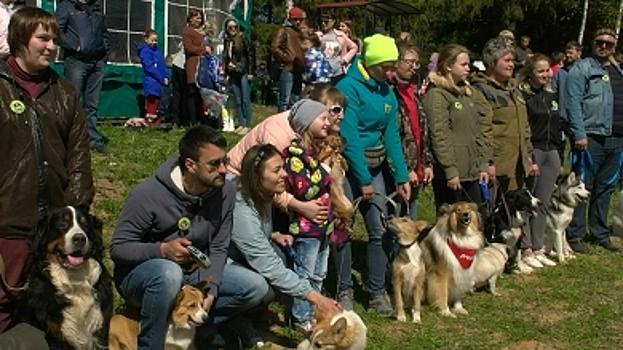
{"type": "Point", "coordinates": [69, 294]}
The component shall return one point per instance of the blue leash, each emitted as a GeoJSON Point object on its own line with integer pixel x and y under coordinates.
{"type": "Point", "coordinates": [582, 161]}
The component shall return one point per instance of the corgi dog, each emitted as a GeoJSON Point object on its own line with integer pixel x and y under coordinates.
{"type": "Point", "coordinates": [187, 315]}
{"type": "Point", "coordinates": [449, 250]}
{"type": "Point", "coordinates": [341, 331]}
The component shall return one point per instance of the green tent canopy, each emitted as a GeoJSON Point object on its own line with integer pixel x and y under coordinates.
{"type": "Point", "coordinates": [127, 21]}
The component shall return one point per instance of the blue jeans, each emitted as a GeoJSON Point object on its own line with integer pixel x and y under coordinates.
{"type": "Point", "coordinates": [606, 154]}
{"type": "Point", "coordinates": [379, 240]}
{"type": "Point", "coordinates": [313, 254]}
{"type": "Point", "coordinates": [411, 205]}
{"type": "Point", "coordinates": [290, 87]}
{"type": "Point", "coordinates": [152, 287]}
{"type": "Point", "coordinates": [87, 78]}
{"type": "Point", "coordinates": [242, 94]}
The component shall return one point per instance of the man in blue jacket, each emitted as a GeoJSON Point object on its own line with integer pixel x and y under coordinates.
{"type": "Point", "coordinates": [370, 129]}
{"type": "Point", "coordinates": [187, 202]}
{"type": "Point", "coordinates": [595, 112]}
{"type": "Point", "coordinates": [86, 45]}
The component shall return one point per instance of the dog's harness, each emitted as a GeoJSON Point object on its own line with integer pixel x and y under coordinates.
{"type": "Point", "coordinates": [582, 161]}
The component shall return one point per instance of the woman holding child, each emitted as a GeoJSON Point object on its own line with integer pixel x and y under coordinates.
{"type": "Point", "coordinates": [263, 176]}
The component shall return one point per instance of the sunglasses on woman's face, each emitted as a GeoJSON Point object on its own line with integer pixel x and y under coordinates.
{"type": "Point", "coordinates": [336, 110]}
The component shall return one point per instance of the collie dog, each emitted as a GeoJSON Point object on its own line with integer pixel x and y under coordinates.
{"type": "Point", "coordinates": [341, 331]}
{"type": "Point", "coordinates": [187, 315]}
{"type": "Point", "coordinates": [69, 294]}
{"type": "Point", "coordinates": [331, 147]}
{"type": "Point", "coordinates": [407, 272]}
{"type": "Point", "coordinates": [448, 251]}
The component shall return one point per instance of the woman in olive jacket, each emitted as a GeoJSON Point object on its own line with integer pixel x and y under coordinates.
{"type": "Point", "coordinates": [457, 141]}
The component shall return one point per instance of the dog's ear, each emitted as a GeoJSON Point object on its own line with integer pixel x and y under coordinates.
{"type": "Point", "coordinates": [444, 209]}
{"type": "Point", "coordinates": [473, 207]}
{"type": "Point", "coordinates": [203, 284]}
{"type": "Point", "coordinates": [421, 225]}
{"type": "Point", "coordinates": [338, 329]}
{"type": "Point", "coordinates": [96, 227]}
{"type": "Point", "coordinates": [37, 237]}
{"type": "Point", "coordinates": [571, 179]}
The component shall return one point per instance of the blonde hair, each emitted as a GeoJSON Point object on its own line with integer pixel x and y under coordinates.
{"type": "Point", "coordinates": [526, 73]}
{"type": "Point", "coordinates": [507, 35]}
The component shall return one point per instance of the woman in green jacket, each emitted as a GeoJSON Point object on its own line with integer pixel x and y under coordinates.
{"type": "Point", "coordinates": [456, 137]}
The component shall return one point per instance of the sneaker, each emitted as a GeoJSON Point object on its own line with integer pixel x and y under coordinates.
{"type": "Point", "coordinates": [544, 260]}
{"type": "Point", "coordinates": [520, 268]}
{"type": "Point", "coordinates": [381, 306]}
{"type": "Point", "coordinates": [345, 298]}
{"type": "Point", "coordinates": [608, 245]}
{"type": "Point", "coordinates": [578, 246]}
{"type": "Point", "coordinates": [531, 261]}
{"type": "Point", "coordinates": [244, 329]}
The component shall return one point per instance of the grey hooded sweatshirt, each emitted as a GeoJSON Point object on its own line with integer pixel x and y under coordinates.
{"type": "Point", "coordinates": [151, 214]}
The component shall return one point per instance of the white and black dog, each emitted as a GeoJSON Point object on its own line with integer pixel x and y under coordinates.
{"type": "Point", "coordinates": [511, 213]}
{"type": "Point", "coordinates": [567, 195]}
{"type": "Point", "coordinates": [69, 295]}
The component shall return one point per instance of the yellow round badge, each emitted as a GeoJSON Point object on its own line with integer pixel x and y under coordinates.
{"type": "Point", "coordinates": [605, 77]}
{"type": "Point", "coordinates": [17, 106]}
{"type": "Point", "coordinates": [458, 105]}
{"type": "Point", "coordinates": [183, 223]}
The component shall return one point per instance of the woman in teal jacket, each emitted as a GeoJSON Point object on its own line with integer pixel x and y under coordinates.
{"type": "Point", "coordinates": [370, 129]}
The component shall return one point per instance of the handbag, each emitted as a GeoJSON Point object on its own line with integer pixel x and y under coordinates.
{"type": "Point", "coordinates": [375, 156]}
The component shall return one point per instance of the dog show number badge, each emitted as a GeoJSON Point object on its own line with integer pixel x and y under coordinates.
{"type": "Point", "coordinates": [183, 223]}
{"type": "Point", "coordinates": [387, 108]}
{"type": "Point", "coordinates": [17, 106]}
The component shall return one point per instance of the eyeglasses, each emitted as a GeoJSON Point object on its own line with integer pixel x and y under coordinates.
{"type": "Point", "coordinates": [413, 63]}
{"type": "Point", "coordinates": [216, 163]}
{"type": "Point", "coordinates": [263, 153]}
{"type": "Point", "coordinates": [336, 110]}
{"type": "Point", "coordinates": [608, 44]}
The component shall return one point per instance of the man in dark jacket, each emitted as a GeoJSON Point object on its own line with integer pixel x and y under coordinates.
{"type": "Point", "coordinates": [286, 48]}
{"type": "Point", "coordinates": [86, 44]}
{"type": "Point", "coordinates": [187, 202]}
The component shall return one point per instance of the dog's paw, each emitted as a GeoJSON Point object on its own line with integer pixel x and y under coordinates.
{"type": "Point", "coordinates": [460, 311]}
{"type": "Point", "coordinates": [495, 293]}
{"type": "Point", "coordinates": [417, 318]}
{"type": "Point", "coordinates": [447, 313]}
{"type": "Point", "coordinates": [401, 318]}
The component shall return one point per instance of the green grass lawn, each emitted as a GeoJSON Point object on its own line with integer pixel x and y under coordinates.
{"type": "Point", "coordinates": [575, 306]}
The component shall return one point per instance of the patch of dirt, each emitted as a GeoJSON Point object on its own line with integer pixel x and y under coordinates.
{"type": "Point", "coordinates": [109, 189]}
{"type": "Point", "coordinates": [529, 345]}
{"type": "Point", "coordinates": [552, 317]}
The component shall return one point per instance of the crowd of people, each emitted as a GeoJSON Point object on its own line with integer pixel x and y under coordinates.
{"type": "Point", "coordinates": [263, 210]}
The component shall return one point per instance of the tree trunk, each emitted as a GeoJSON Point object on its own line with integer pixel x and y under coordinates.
{"type": "Point", "coordinates": [583, 26]}
{"type": "Point", "coordinates": [619, 18]}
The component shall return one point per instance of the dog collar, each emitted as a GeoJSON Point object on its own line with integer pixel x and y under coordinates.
{"type": "Point", "coordinates": [406, 246]}
{"type": "Point", "coordinates": [463, 255]}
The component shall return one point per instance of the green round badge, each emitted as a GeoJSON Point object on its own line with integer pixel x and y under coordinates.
{"type": "Point", "coordinates": [183, 223]}
{"type": "Point", "coordinates": [17, 106]}
{"type": "Point", "coordinates": [458, 105]}
{"type": "Point", "coordinates": [606, 77]}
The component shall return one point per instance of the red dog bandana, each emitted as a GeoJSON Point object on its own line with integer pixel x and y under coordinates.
{"type": "Point", "coordinates": [464, 256]}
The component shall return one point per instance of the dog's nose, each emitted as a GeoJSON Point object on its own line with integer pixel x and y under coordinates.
{"type": "Point", "coordinates": [465, 214]}
{"type": "Point", "coordinates": [79, 241]}
{"type": "Point", "coordinates": [205, 317]}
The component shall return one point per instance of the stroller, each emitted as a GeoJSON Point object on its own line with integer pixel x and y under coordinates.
{"type": "Point", "coordinates": [210, 80]}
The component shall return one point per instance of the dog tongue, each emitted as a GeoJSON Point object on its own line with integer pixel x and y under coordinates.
{"type": "Point", "coordinates": [74, 260]}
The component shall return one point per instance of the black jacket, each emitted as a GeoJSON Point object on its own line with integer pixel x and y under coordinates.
{"type": "Point", "coordinates": [83, 26]}
{"type": "Point", "coordinates": [544, 118]}
{"type": "Point", "coordinates": [243, 61]}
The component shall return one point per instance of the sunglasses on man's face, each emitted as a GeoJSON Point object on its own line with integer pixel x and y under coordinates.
{"type": "Point", "coordinates": [336, 110]}
{"type": "Point", "coordinates": [607, 44]}
{"type": "Point", "coordinates": [216, 163]}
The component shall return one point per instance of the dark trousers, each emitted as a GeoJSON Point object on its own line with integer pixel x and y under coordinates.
{"type": "Point", "coordinates": [601, 181]}
{"type": "Point", "coordinates": [179, 106]}
{"type": "Point", "coordinates": [15, 255]}
{"type": "Point", "coordinates": [469, 193]}
{"type": "Point", "coordinates": [195, 105]}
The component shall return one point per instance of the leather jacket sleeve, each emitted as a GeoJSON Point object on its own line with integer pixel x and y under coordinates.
{"type": "Point", "coordinates": [80, 190]}
{"type": "Point", "coordinates": [279, 46]}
